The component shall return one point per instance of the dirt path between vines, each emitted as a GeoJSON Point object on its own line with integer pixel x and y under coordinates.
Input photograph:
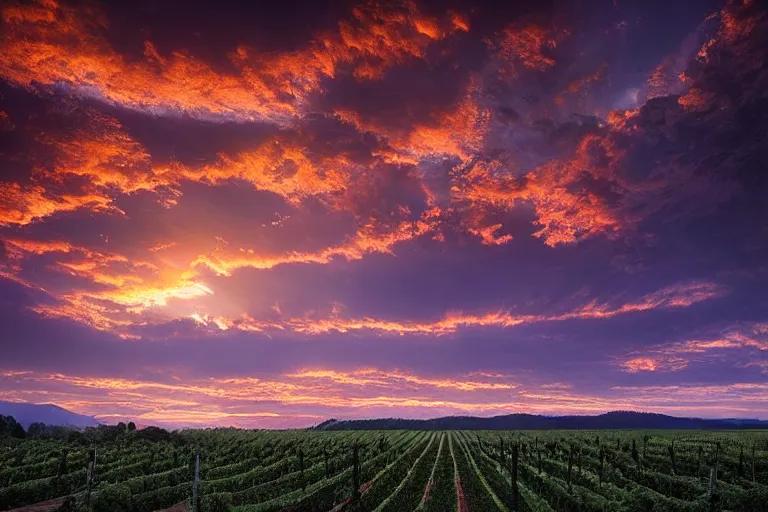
{"type": "Point", "coordinates": [43, 506]}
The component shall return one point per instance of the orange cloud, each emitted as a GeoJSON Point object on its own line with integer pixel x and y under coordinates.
{"type": "Point", "coordinates": [738, 20]}
{"type": "Point", "coordinates": [51, 44]}
{"type": "Point", "coordinates": [134, 293]}
{"type": "Point", "coordinates": [664, 79]}
{"type": "Point", "coordinates": [128, 288]}
{"type": "Point", "coordinates": [132, 289]}
{"type": "Point", "coordinates": [565, 212]}
{"type": "Point", "coordinates": [280, 166]}
{"type": "Point", "coordinates": [101, 152]}
{"type": "Point", "coordinates": [367, 239]}
{"type": "Point", "coordinates": [696, 100]}
{"type": "Point", "coordinates": [671, 297]}
{"type": "Point", "coordinates": [489, 235]}
{"type": "Point", "coordinates": [581, 83]}
{"type": "Point", "coordinates": [526, 46]}
{"type": "Point", "coordinates": [112, 162]}
{"type": "Point", "coordinates": [459, 22]}
{"type": "Point", "coordinates": [98, 267]}
{"type": "Point", "coordinates": [161, 247]}
{"type": "Point", "coordinates": [104, 153]}
{"type": "Point", "coordinates": [19, 247]}
{"type": "Point", "coordinates": [618, 120]}
{"type": "Point", "coordinates": [647, 364]}
{"type": "Point", "coordinates": [679, 355]}
{"type": "Point", "coordinates": [456, 132]}
{"type": "Point", "coordinates": [459, 132]}
{"type": "Point", "coordinates": [24, 204]}
{"type": "Point", "coordinates": [733, 340]}
{"type": "Point", "coordinates": [128, 304]}
{"type": "Point", "coordinates": [395, 379]}
{"type": "Point", "coordinates": [377, 39]}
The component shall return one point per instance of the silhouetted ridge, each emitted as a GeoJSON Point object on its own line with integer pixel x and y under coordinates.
{"type": "Point", "coordinates": [610, 420]}
{"type": "Point", "coordinates": [50, 414]}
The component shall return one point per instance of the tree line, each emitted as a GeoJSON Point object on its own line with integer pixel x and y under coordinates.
{"type": "Point", "coordinates": [10, 428]}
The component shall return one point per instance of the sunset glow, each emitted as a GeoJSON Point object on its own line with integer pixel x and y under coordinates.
{"type": "Point", "coordinates": [387, 210]}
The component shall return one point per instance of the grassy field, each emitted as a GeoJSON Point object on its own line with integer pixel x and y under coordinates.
{"type": "Point", "coordinates": [250, 471]}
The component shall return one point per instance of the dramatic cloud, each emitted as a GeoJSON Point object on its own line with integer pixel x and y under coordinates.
{"type": "Point", "coordinates": [57, 45]}
{"type": "Point", "coordinates": [745, 345]}
{"type": "Point", "coordinates": [113, 293]}
{"type": "Point", "coordinates": [390, 209]}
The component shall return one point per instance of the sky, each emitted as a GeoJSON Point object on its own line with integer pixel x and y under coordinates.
{"type": "Point", "coordinates": [269, 216]}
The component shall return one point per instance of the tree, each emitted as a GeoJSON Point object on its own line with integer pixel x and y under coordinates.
{"type": "Point", "coordinates": [131, 426]}
{"type": "Point", "coordinates": [76, 437]}
{"type": "Point", "coordinates": [155, 434]}
{"type": "Point", "coordinates": [121, 427]}
{"type": "Point", "coordinates": [17, 430]}
{"type": "Point", "coordinates": [62, 467]}
{"type": "Point", "coordinates": [36, 429]}
{"type": "Point", "coordinates": [9, 427]}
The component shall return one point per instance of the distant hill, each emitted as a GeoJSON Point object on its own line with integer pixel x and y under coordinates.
{"type": "Point", "coordinates": [26, 414]}
{"type": "Point", "coordinates": [611, 420]}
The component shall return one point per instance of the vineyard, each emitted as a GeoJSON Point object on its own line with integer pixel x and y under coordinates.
{"type": "Point", "coordinates": [388, 471]}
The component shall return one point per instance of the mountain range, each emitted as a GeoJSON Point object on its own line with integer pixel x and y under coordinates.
{"type": "Point", "coordinates": [610, 420]}
{"type": "Point", "coordinates": [26, 414]}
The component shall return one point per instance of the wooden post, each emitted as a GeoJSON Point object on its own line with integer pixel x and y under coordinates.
{"type": "Point", "coordinates": [195, 485]}
{"type": "Point", "coordinates": [301, 468]}
{"type": "Point", "coordinates": [570, 467]}
{"type": "Point", "coordinates": [578, 460]}
{"type": "Point", "coordinates": [635, 456]}
{"type": "Point", "coordinates": [355, 474]}
{"type": "Point", "coordinates": [89, 475]}
{"type": "Point", "coordinates": [538, 455]}
{"type": "Point", "coordinates": [513, 473]}
{"type": "Point", "coordinates": [645, 447]}
{"type": "Point", "coordinates": [602, 464]}
{"type": "Point", "coordinates": [714, 492]}
{"type": "Point", "coordinates": [88, 483]}
{"type": "Point", "coordinates": [717, 455]}
{"type": "Point", "coordinates": [698, 464]}
{"type": "Point", "coordinates": [753, 461]}
{"type": "Point", "coordinates": [325, 456]}
{"type": "Point", "coordinates": [741, 461]}
{"type": "Point", "coordinates": [671, 449]}
{"type": "Point", "coordinates": [61, 472]}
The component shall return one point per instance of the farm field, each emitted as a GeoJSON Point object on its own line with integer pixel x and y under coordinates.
{"type": "Point", "coordinates": [260, 471]}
